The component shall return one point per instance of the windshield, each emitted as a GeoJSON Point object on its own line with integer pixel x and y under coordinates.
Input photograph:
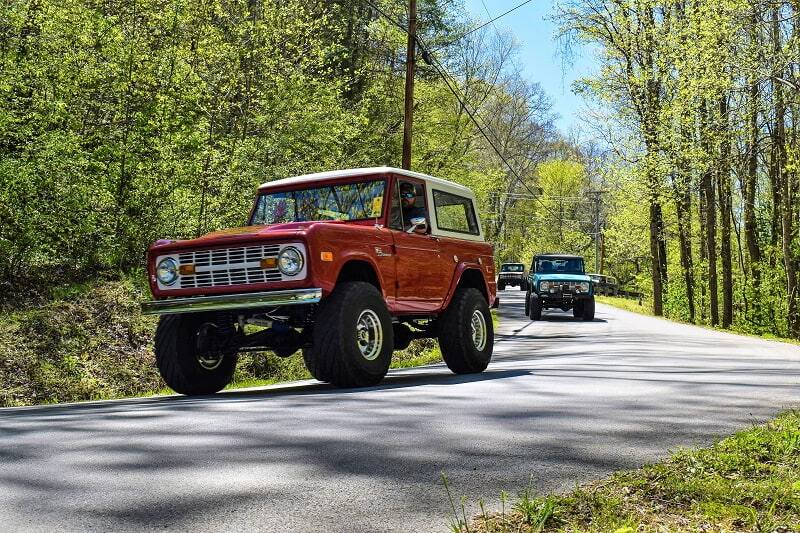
{"type": "Point", "coordinates": [556, 265]}
{"type": "Point", "coordinates": [348, 201]}
{"type": "Point", "coordinates": [512, 268]}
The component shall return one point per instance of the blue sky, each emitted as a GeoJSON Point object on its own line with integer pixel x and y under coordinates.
{"type": "Point", "coordinates": [539, 53]}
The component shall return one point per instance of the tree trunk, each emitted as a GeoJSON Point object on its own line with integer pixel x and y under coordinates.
{"type": "Point", "coordinates": [748, 186]}
{"type": "Point", "coordinates": [785, 181]}
{"type": "Point", "coordinates": [655, 250]}
{"type": "Point", "coordinates": [682, 190]}
{"type": "Point", "coordinates": [710, 220]}
{"type": "Point", "coordinates": [701, 205]}
{"type": "Point", "coordinates": [726, 214]}
{"type": "Point", "coordinates": [681, 186]}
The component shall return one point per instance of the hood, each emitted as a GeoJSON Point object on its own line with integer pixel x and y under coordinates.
{"type": "Point", "coordinates": [242, 234]}
{"type": "Point", "coordinates": [292, 227]}
{"type": "Point", "coordinates": [563, 277]}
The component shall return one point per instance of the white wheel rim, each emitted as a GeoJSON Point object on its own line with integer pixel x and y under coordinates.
{"type": "Point", "coordinates": [478, 327]}
{"type": "Point", "coordinates": [369, 334]}
{"type": "Point", "coordinates": [209, 362]}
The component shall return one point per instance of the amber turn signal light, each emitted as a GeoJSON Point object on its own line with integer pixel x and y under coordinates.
{"type": "Point", "coordinates": [186, 270]}
{"type": "Point", "coordinates": [269, 262]}
{"type": "Point", "coordinates": [326, 256]}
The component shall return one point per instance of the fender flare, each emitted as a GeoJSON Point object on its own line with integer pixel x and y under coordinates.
{"type": "Point", "coordinates": [361, 257]}
{"type": "Point", "coordinates": [461, 268]}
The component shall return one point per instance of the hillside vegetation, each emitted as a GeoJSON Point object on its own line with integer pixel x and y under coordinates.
{"type": "Point", "coordinates": [91, 342]}
{"type": "Point", "coordinates": [87, 345]}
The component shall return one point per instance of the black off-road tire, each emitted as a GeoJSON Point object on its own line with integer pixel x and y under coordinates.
{"type": "Point", "coordinates": [528, 303]}
{"type": "Point", "coordinates": [577, 309]}
{"type": "Point", "coordinates": [588, 309]}
{"type": "Point", "coordinates": [455, 333]}
{"type": "Point", "coordinates": [522, 286]}
{"type": "Point", "coordinates": [334, 355]}
{"type": "Point", "coordinates": [315, 370]}
{"type": "Point", "coordinates": [535, 307]}
{"type": "Point", "coordinates": [176, 357]}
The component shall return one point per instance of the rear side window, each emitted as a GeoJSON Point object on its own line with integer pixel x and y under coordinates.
{"type": "Point", "coordinates": [455, 213]}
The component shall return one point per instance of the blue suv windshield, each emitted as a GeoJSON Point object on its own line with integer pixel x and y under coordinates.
{"type": "Point", "coordinates": [559, 265]}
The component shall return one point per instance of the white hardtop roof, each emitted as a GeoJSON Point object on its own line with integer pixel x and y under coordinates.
{"type": "Point", "coordinates": [353, 172]}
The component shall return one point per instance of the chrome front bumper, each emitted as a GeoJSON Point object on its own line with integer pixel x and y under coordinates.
{"type": "Point", "coordinates": [227, 302]}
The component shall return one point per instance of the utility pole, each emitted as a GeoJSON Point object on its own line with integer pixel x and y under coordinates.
{"type": "Point", "coordinates": [409, 97]}
{"type": "Point", "coordinates": [597, 265]}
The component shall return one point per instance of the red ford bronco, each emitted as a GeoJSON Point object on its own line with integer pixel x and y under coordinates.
{"type": "Point", "coordinates": [346, 266]}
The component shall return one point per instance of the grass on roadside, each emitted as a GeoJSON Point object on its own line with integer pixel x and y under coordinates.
{"type": "Point", "coordinates": [747, 482]}
{"type": "Point", "coordinates": [627, 304]}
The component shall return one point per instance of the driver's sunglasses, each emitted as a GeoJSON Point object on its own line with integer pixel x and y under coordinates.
{"type": "Point", "coordinates": [407, 195]}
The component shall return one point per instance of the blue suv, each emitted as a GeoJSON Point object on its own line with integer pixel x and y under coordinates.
{"type": "Point", "coordinates": [559, 281]}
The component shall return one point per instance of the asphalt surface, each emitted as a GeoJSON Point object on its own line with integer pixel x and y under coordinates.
{"type": "Point", "coordinates": [562, 402]}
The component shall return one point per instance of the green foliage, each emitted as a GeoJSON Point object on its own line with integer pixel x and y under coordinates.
{"type": "Point", "coordinates": [121, 124]}
{"type": "Point", "coordinates": [559, 219]}
{"type": "Point", "coordinates": [126, 123]}
{"type": "Point", "coordinates": [702, 214]}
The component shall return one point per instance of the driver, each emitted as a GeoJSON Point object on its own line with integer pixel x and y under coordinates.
{"type": "Point", "coordinates": [408, 200]}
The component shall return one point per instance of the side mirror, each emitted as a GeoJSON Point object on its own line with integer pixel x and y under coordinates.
{"type": "Point", "coordinates": [418, 225]}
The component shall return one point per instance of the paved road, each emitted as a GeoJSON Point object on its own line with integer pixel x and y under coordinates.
{"type": "Point", "coordinates": [563, 402]}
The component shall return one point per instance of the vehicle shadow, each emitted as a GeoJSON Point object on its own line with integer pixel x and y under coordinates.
{"type": "Point", "coordinates": [566, 318]}
{"type": "Point", "coordinates": [417, 377]}
{"type": "Point", "coordinates": [437, 374]}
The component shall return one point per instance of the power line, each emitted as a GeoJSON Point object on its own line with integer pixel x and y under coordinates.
{"type": "Point", "coordinates": [473, 30]}
{"type": "Point", "coordinates": [436, 64]}
{"type": "Point", "coordinates": [442, 72]}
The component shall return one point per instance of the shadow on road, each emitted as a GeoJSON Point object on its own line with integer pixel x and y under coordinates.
{"type": "Point", "coordinates": [556, 406]}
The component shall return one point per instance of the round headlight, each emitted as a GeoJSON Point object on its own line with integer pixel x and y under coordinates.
{"type": "Point", "coordinates": [167, 271]}
{"type": "Point", "coordinates": [584, 286]}
{"type": "Point", "coordinates": [544, 285]}
{"type": "Point", "coordinates": [290, 261]}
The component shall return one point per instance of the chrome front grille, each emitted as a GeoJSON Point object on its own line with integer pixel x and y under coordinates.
{"type": "Point", "coordinates": [229, 266]}
{"type": "Point", "coordinates": [566, 289]}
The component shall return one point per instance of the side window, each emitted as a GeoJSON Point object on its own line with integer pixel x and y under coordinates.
{"type": "Point", "coordinates": [408, 202]}
{"type": "Point", "coordinates": [395, 215]}
{"type": "Point", "coordinates": [455, 213]}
